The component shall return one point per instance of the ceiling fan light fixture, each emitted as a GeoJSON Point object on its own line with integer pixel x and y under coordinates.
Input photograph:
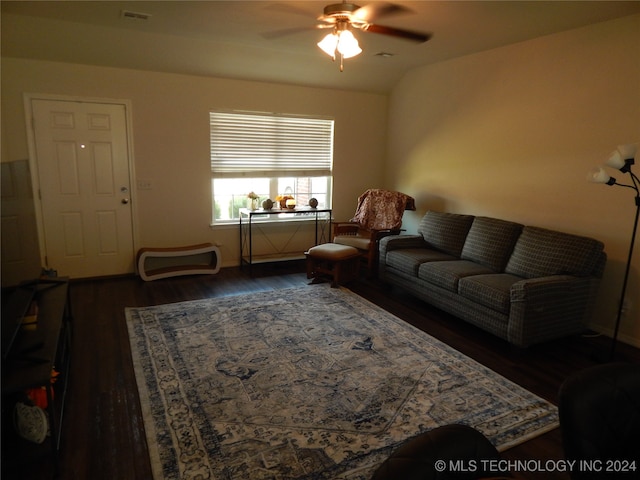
{"type": "Point", "coordinates": [346, 16]}
{"type": "Point", "coordinates": [342, 41]}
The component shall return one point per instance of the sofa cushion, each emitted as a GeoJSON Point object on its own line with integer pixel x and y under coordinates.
{"type": "Point", "coordinates": [492, 290]}
{"type": "Point", "coordinates": [447, 274]}
{"type": "Point", "coordinates": [408, 260]}
{"type": "Point", "coordinates": [540, 253]}
{"type": "Point", "coordinates": [445, 231]}
{"type": "Point", "coordinates": [490, 242]}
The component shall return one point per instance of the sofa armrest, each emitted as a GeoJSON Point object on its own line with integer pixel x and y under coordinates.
{"type": "Point", "coordinates": [549, 307]}
{"type": "Point", "coordinates": [396, 242]}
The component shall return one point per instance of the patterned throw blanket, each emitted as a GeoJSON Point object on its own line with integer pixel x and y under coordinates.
{"type": "Point", "coordinates": [307, 383]}
{"type": "Point", "coordinates": [382, 209]}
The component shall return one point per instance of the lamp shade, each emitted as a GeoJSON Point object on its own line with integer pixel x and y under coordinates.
{"type": "Point", "coordinates": [615, 160]}
{"type": "Point", "coordinates": [628, 151]}
{"type": "Point", "coordinates": [598, 175]}
{"type": "Point", "coordinates": [328, 44]}
{"type": "Point", "coordinates": [620, 156]}
{"type": "Point", "coordinates": [348, 45]}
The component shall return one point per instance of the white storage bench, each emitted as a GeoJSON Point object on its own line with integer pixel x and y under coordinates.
{"type": "Point", "coordinates": [156, 263]}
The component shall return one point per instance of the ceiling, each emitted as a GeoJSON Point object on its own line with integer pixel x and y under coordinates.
{"type": "Point", "coordinates": [235, 39]}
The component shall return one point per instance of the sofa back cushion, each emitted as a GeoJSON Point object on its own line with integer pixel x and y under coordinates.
{"type": "Point", "coordinates": [445, 231]}
{"type": "Point", "coordinates": [540, 253]}
{"type": "Point", "coordinates": [490, 242]}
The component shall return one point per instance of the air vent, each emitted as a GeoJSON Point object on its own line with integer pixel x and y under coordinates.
{"type": "Point", "coordinates": [135, 16]}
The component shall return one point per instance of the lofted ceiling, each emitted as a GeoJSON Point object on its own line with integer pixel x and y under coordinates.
{"type": "Point", "coordinates": [242, 39]}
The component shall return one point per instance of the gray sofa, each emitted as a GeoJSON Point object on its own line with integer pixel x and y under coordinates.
{"type": "Point", "coordinates": [524, 284]}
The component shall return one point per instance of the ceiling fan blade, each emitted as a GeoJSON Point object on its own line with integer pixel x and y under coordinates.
{"type": "Point", "coordinates": [396, 32]}
{"type": "Point", "coordinates": [283, 33]}
{"type": "Point", "coordinates": [291, 31]}
{"type": "Point", "coordinates": [287, 8]}
{"type": "Point", "coordinates": [374, 11]}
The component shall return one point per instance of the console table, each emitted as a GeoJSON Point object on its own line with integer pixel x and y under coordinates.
{"type": "Point", "coordinates": [249, 218]}
{"type": "Point", "coordinates": [31, 353]}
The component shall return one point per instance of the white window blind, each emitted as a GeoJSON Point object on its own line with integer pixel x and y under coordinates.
{"type": "Point", "coordinates": [245, 144]}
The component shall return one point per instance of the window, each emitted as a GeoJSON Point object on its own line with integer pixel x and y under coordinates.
{"type": "Point", "coordinates": [271, 155]}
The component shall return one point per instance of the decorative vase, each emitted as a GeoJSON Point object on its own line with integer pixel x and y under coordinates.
{"type": "Point", "coordinates": [253, 204]}
{"type": "Point", "coordinates": [313, 203]}
{"type": "Point", "coordinates": [267, 204]}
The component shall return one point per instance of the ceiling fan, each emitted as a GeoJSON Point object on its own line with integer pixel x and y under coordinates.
{"type": "Point", "coordinates": [344, 17]}
{"type": "Point", "coordinates": [362, 18]}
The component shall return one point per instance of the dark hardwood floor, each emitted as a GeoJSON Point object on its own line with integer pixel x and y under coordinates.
{"type": "Point", "coordinates": [103, 433]}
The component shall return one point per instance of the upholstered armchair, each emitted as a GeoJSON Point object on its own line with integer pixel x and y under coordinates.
{"type": "Point", "coordinates": [378, 214]}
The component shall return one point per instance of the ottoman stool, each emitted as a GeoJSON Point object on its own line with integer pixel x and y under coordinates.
{"type": "Point", "coordinates": [339, 262]}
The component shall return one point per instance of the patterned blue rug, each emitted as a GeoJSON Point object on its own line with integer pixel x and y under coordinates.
{"type": "Point", "coordinates": [306, 383]}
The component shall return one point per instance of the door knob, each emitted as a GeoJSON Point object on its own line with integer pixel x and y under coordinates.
{"type": "Point", "coordinates": [125, 201]}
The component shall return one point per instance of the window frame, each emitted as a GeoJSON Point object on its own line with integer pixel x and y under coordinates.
{"type": "Point", "coordinates": [244, 157]}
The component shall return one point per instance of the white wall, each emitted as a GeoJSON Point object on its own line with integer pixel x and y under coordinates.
{"type": "Point", "coordinates": [512, 133]}
{"type": "Point", "coordinates": [171, 137]}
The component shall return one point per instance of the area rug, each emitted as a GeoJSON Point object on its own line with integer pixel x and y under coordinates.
{"type": "Point", "coordinates": [306, 383]}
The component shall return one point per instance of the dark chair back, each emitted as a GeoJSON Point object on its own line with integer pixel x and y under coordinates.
{"type": "Point", "coordinates": [599, 410]}
{"type": "Point", "coordinates": [449, 452]}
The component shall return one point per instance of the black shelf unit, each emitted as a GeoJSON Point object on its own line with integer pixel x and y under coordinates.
{"type": "Point", "coordinates": [28, 358]}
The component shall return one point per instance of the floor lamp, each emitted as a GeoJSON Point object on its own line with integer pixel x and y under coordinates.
{"type": "Point", "coordinates": [623, 158]}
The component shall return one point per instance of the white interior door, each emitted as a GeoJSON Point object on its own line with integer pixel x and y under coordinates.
{"type": "Point", "coordinates": [83, 176]}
